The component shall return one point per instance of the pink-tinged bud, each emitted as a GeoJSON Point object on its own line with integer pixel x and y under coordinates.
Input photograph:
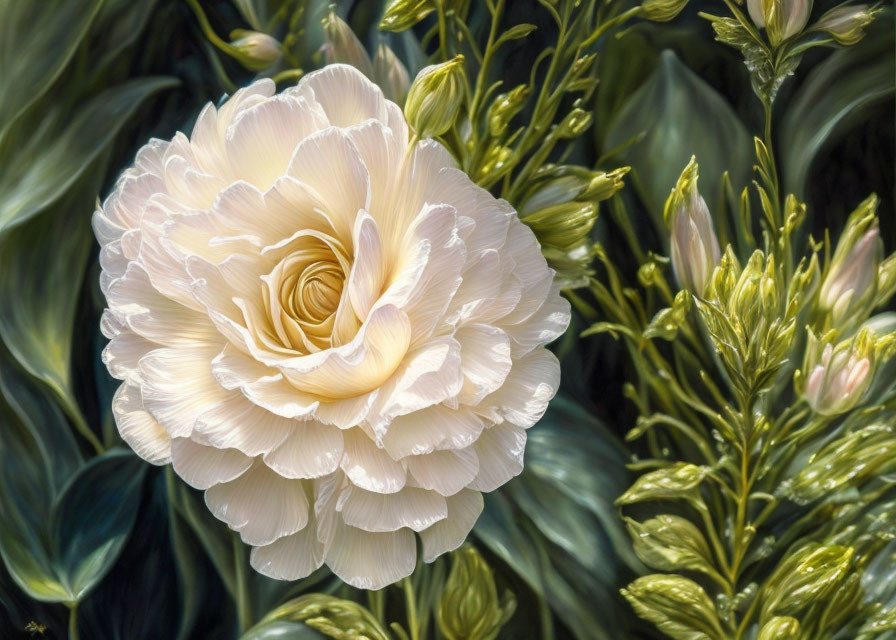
{"type": "Point", "coordinates": [837, 376]}
{"type": "Point", "coordinates": [694, 246]}
{"type": "Point", "coordinates": [256, 51]}
{"type": "Point", "coordinates": [781, 18]}
{"type": "Point", "coordinates": [343, 46]}
{"type": "Point", "coordinates": [847, 25]}
{"type": "Point", "coordinates": [850, 284]}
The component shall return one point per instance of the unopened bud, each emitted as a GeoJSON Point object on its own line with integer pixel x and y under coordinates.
{"type": "Point", "coordinates": [469, 608]}
{"type": "Point", "coordinates": [435, 97]}
{"type": "Point", "coordinates": [662, 10]}
{"type": "Point", "coordinates": [781, 18]}
{"type": "Point", "coordinates": [404, 14]}
{"type": "Point", "coordinates": [343, 45]}
{"type": "Point", "coordinates": [694, 246]}
{"type": "Point", "coordinates": [563, 225]}
{"type": "Point", "coordinates": [780, 628]}
{"type": "Point", "coordinates": [505, 107]}
{"type": "Point", "coordinates": [847, 25]}
{"type": "Point", "coordinates": [836, 377]}
{"type": "Point", "coordinates": [574, 124]}
{"type": "Point", "coordinates": [850, 286]}
{"type": "Point", "coordinates": [255, 51]}
{"type": "Point", "coordinates": [390, 74]}
{"type": "Point", "coordinates": [604, 185]}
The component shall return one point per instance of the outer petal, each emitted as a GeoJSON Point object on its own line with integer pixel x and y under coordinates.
{"type": "Point", "coordinates": [411, 507]}
{"type": "Point", "coordinates": [371, 560]}
{"type": "Point", "coordinates": [311, 451]}
{"type": "Point", "coordinates": [142, 433]}
{"type": "Point", "coordinates": [369, 467]}
{"type": "Point", "coordinates": [261, 505]}
{"type": "Point", "coordinates": [500, 453]}
{"type": "Point", "coordinates": [345, 95]}
{"type": "Point", "coordinates": [524, 396]}
{"type": "Point", "coordinates": [447, 535]}
{"type": "Point", "coordinates": [446, 472]}
{"type": "Point", "coordinates": [291, 557]}
{"type": "Point", "coordinates": [202, 467]}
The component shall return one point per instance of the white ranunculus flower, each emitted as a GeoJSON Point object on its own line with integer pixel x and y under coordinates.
{"type": "Point", "coordinates": [338, 337]}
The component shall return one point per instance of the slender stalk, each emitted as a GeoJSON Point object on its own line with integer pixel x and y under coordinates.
{"type": "Point", "coordinates": [73, 622]}
{"type": "Point", "coordinates": [410, 600]}
{"type": "Point", "coordinates": [81, 426]}
{"type": "Point", "coordinates": [243, 605]}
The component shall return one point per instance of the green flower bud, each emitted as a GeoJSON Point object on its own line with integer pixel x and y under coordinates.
{"type": "Point", "coordinates": [574, 124]}
{"type": "Point", "coordinates": [850, 285]}
{"type": "Point", "coordinates": [504, 108]}
{"type": "Point", "coordinates": [404, 14]}
{"type": "Point", "coordinates": [666, 322]}
{"type": "Point", "coordinates": [604, 186]}
{"type": "Point", "coordinates": [331, 616]}
{"type": "Point", "coordinates": [390, 74]}
{"type": "Point", "coordinates": [675, 481]}
{"type": "Point", "coordinates": [662, 10]}
{"type": "Point", "coordinates": [435, 98]}
{"type": "Point", "coordinates": [469, 608]}
{"type": "Point", "coordinates": [255, 51]}
{"type": "Point", "coordinates": [781, 18]}
{"type": "Point", "coordinates": [563, 225]}
{"type": "Point", "coordinates": [812, 574]}
{"type": "Point", "coordinates": [670, 543]}
{"type": "Point", "coordinates": [836, 377]}
{"type": "Point", "coordinates": [342, 45]}
{"type": "Point", "coordinates": [676, 605]}
{"type": "Point", "coordinates": [780, 628]}
{"type": "Point", "coordinates": [694, 246]}
{"type": "Point", "coordinates": [846, 24]}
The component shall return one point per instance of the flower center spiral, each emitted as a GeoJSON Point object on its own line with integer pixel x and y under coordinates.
{"type": "Point", "coordinates": [303, 292]}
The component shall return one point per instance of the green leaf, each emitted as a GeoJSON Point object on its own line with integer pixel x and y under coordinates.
{"type": "Point", "coordinates": [556, 526]}
{"type": "Point", "coordinates": [282, 630]}
{"type": "Point", "coordinates": [679, 116]}
{"type": "Point", "coordinates": [37, 329]}
{"type": "Point", "coordinates": [836, 93]}
{"type": "Point", "coordinates": [93, 517]}
{"type": "Point", "coordinates": [679, 607]}
{"type": "Point", "coordinates": [38, 40]}
{"type": "Point", "coordinates": [671, 543]}
{"type": "Point", "coordinates": [678, 480]}
{"type": "Point", "coordinates": [333, 617]}
{"type": "Point", "coordinates": [60, 146]}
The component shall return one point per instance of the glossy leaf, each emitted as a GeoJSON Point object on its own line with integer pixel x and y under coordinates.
{"type": "Point", "coordinates": [92, 518]}
{"type": "Point", "coordinates": [30, 58]}
{"type": "Point", "coordinates": [679, 607]}
{"type": "Point", "coordinates": [61, 146]}
{"type": "Point", "coordinates": [679, 116]}
{"type": "Point", "coordinates": [836, 93]}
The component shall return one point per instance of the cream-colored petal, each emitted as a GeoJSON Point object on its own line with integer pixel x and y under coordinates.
{"type": "Point", "coordinates": [291, 557]}
{"type": "Point", "coordinates": [427, 376]}
{"type": "Point", "coordinates": [500, 452]}
{"type": "Point", "coordinates": [202, 467]}
{"type": "Point", "coordinates": [544, 326]}
{"type": "Point", "coordinates": [447, 535]}
{"type": "Point", "coordinates": [261, 139]}
{"type": "Point", "coordinates": [178, 387]}
{"type": "Point", "coordinates": [134, 300]}
{"type": "Point", "coordinates": [123, 352]}
{"type": "Point", "coordinates": [436, 427]}
{"type": "Point", "coordinates": [371, 560]}
{"type": "Point", "coordinates": [368, 273]}
{"type": "Point", "coordinates": [262, 505]}
{"type": "Point", "coordinates": [485, 360]}
{"type": "Point", "coordinates": [312, 450]}
{"type": "Point", "coordinates": [370, 467]}
{"type": "Point", "coordinates": [530, 386]}
{"type": "Point", "coordinates": [236, 423]}
{"type": "Point", "coordinates": [328, 163]}
{"type": "Point", "coordinates": [346, 96]}
{"type": "Point", "coordinates": [358, 367]}
{"type": "Point", "coordinates": [411, 507]}
{"type": "Point", "coordinates": [138, 429]}
{"type": "Point", "coordinates": [446, 471]}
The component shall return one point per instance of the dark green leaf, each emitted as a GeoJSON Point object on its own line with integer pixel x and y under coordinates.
{"type": "Point", "coordinates": [92, 518]}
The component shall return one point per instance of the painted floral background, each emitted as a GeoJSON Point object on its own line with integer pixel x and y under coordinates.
{"type": "Point", "coordinates": [713, 185]}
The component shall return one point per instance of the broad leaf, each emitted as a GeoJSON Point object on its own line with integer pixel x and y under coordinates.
{"type": "Point", "coordinates": [679, 115]}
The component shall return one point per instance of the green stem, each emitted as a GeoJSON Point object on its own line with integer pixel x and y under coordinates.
{"type": "Point", "coordinates": [243, 606]}
{"type": "Point", "coordinates": [410, 600]}
{"type": "Point", "coordinates": [73, 622]}
{"type": "Point", "coordinates": [81, 425]}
